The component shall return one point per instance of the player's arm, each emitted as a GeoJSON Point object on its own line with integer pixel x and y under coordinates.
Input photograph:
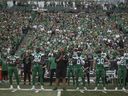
{"type": "Point", "coordinates": [1, 61]}
{"type": "Point", "coordinates": [94, 64]}
{"type": "Point", "coordinates": [82, 61]}
{"type": "Point", "coordinates": [60, 57]}
{"type": "Point", "coordinates": [17, 62]}
{"type": "Point", "coordinates": [48, 64]}
{"type": "Point", "coordinates": [32, 61]}
{"type": "Point", "coordinates": [107, 61]}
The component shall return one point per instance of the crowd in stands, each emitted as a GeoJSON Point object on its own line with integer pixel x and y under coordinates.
{"type": "Point", "coordinates": [51, 31]}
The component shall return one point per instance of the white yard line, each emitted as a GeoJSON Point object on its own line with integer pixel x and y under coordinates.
{"type": "Point", "coordinates": [59, 93]}
{"type": "Point", "coordinates": [14, 90]}
{"type": "Point", "coordinates": [104, 91]}
{"type": "Point", "coordinates": [70, 90]}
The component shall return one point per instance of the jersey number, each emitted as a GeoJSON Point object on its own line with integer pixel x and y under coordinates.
{"type": "Point", "coordinates": [100, 61]}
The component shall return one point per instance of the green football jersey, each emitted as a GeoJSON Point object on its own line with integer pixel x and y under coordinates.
{"type": "Point", "coordinates": [100, 61]}
{"type": "Point", "coordinates": [52, 62]}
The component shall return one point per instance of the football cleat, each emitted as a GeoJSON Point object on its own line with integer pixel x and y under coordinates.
{"type": "Point", "coordinates": [77, 88]}
{"type": "Point", "coordinates": [33, 88]}
{"type": "Point", "coordinates": [42, 87]}
{"type": "Point", "coordinates": [116, 88]}
{"type": "Point", "coordinates": [85, 88]}
{"type": "Point", "coordinates": [95, 88]}
{"type": "Point", "coordinates": [18, 87]}
{"type": "Point", "coordinates": [105, 89]}
{"type": "Point", "coordinates": [123, 89]}
{"type": "Point", "coordinates": [11, 87]}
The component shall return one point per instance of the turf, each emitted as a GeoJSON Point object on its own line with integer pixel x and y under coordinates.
{"type": "Point", "coordinates": [93, 94]}
{"type": "Point", "coordinates": [63, 93]}
{"type": "Point", "coordinates": [46, 86]}
{"type": "Point", "coordinates": [27, 93]}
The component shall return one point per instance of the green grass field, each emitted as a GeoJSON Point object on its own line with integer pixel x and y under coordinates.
{"type": "Point", "coordinates": [94, 94]}
{"type": "Point", "coordinates": [63, 93]}
{"type": "Point", "coordinates": [27, 93]}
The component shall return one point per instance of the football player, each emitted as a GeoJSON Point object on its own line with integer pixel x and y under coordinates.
{"type": "Point", "coordinates": [12, 62]}
{"type": "Point", "coordinates": [37, 67]}
{"type": "Point", "coordinates": [122, 71]}
{"type": "Point", "coordinates": [70, 72]}
{"type": "Point", "coordinates": [79, 69]}
{"type": "Point", "coordinates": [99, 63]}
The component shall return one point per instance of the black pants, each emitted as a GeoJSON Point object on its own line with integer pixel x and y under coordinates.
{"type": "Point", "coordinates": [27, 74]}
{"type": "Point", "coordinates": [88, 76]}
{"type": "Point", "coordinates": [52, 71]}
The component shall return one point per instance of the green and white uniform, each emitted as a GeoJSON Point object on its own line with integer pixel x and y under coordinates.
{"type": "Point", "coordinates": [100, 70]}
{"type": "Point", "coordinates": [71, 72]}
{"type": "Point", "coordinates": [52, 66]}
{"type": "Point", "coordinates": [79, 69]}
{"type": "Point", "coordinates": [37, 67]}
{"type": "Point", "coordinates": [12, 68]}
{"type": "Point", "coordinates": [3, 64]}
{"type": "Point", "coordinates": [122, 71]}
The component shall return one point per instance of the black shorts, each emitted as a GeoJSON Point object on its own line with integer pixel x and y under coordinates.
{"type": "Point", "coordinates": [4, 73]}
{"type": "Point", "coordinates": [61, 73]}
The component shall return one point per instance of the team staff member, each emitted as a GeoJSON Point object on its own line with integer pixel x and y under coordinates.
{"type": "Point", "coordinates": [52, 66]}
{"type": "Point", "coordinates": [61, 70]}
{"type": "Point", "coordinates": [27, 61]}
{"type": "Point", "coordinates": [87, 66]}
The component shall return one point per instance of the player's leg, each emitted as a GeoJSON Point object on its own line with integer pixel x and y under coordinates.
{"type": "Point", "coordinates": [17, 77]}
{"type": "Point", "coordinates": [87, 74]}
{"type": "Point", "coordinates": [97, 77]}
{"type": "Point", "coordinates": [72, 75]}
{"type": "Point", "coordinates": [103, 75]}
{"type": "Point", "coordinates": [124, 78]}
{"type": "Point", "coordinates": [77, 77]}
{"type": "Point", "coordinates": [83, 78]}
{"type": "Point", "coordinates": [29, 77]}
{"type": "Point", "coordinates": [34, 71]}
{"type": "Point", "coordinates": [43, 73]}
{"type": "Point", "coordinates": [51, 76]}
{"type": "Point", "coordinates": [25, 76]}
{"type": "Point", "coordinates": [69, 75]}
{"type": "Point", "coordinates": [118, 78]}
{"type": "Point", "coordinates": [88, 77]}
{"type": "Point", "coordinates": [10, 73]}
{"type": "Point", "coordinates": [3, 76]}
{"type": "Point", "coordinates": [40, 73]}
